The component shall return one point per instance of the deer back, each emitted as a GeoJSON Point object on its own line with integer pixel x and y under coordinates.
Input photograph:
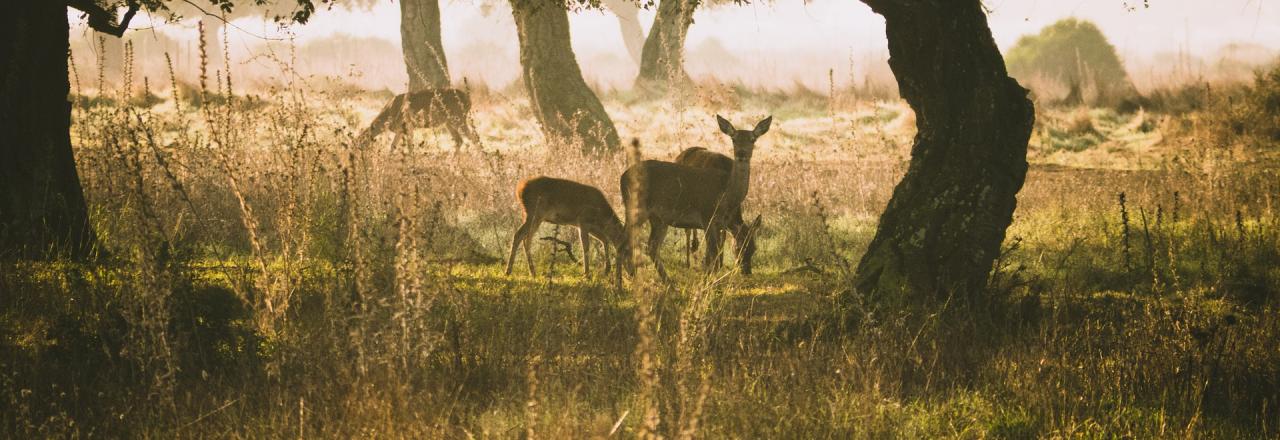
{"type": "Point", "coordinates": [422, 108]}
{"type": "Point", "coordinates": [699, 157]}
{"type": "Point", "coordinates": [438, 105]}
{"type": "Point", "coordinates": [564, 201]}
{"type": "Point", "coordinates": [678, 195]}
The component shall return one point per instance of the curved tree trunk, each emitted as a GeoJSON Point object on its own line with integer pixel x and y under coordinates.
{"type": "Point", "coordinates": [420, 39]}
{"type": "Point", "coordinates": [629, 24]}
{"type": "Point", "coordinates": [662, 62]}
{"type": "Point", "coordinates": [565, 107]}
{"type": "Point", "coordinates": [42, 208]}
{"type": "Point", "coordinates": [944, 225]}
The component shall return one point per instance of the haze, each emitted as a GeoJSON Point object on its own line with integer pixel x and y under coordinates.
{"type": "Point", "coordinates": [774, 45]}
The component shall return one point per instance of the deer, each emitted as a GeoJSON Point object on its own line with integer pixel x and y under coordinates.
{"type": "Point", "coordinates": [425, 108]}
{"type": "Point", "coordinates": [565, 202]}
{"type": "Point", "coordinates": [665, 194]}
{"type": "Point", "coordinates": [699, 157]}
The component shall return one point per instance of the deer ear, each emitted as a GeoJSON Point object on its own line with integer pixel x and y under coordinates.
{"type": "Point", "coordinates": [763, 126]}
{"type": "Point", "coordinates": [725, 126]}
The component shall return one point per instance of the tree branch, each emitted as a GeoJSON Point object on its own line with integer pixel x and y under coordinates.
{"type": "Point", "coordinates": [883, 7]}
{"type": "Point", "coordinates": [102, 20]}
{"type": "Point", "coordinates": [224, 21]}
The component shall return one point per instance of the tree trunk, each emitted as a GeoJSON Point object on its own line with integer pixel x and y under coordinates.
{"type": "Point", "coordinates": [42, 208]}
{"type": "Point", "coordinates": [944, 225]}
{"type": "Point", "coordinates": [420, 39]}
{"type": "Point", "coordinates": [662, 62]}
{"type": "Point", "coordinates": [565, 107]}
{"type": "Point", "coordinates": [629, 25]}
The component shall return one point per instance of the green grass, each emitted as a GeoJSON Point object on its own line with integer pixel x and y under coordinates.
{"type": "Point", "coordinates": [776, 358]}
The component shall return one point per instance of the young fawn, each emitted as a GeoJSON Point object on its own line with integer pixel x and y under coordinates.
{"type": "Point", "coordinates": [425, 108]}
{"type": "Point", "coordinates": [665, 194]}
{"type": "Point", "coordinates": [565, 202]}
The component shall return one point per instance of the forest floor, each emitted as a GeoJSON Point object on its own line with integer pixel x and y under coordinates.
{"type": "Point", "coordinates": [266, 279]}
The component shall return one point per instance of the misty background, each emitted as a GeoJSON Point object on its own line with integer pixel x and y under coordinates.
{"type": "Point", "coordinates": [783, 45]}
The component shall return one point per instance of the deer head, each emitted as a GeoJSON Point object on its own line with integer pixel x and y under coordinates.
{"type": "Point", "coordinates": [744, 141]}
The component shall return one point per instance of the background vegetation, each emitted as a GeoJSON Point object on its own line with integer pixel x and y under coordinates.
{"type": "Point", "coordinates": [265, 279]}
{"type": "Point", "coordinates": [1070, 60]}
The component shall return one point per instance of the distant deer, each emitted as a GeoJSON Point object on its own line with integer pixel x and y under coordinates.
{"type": "Point", "coordinates": [687, 197]}
{"type": "Point", "coordinates": [425, 108]}
{"type": "Point", "coordinates": [565, 202]}
{"type": "Point", "coordinates": [699, 157]}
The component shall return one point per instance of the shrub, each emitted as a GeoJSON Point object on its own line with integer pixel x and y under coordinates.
{"type": "Point", "coordinates": [1265, 105]}
{"type": "Point", "coordinates": [1073, 53]}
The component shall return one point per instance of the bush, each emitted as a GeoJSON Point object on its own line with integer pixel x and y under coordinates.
{"type": "Point", "coordinates": [1073, 53]}
{"type": "Point", "coordinates": [1265, 105]}
{"type": "Point", "coordinates": [1231, 115]}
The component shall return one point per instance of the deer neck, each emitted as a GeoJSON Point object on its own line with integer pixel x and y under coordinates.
{"type": "Point", "coordinates": [735, 190]}
{"type": "Point", "coordinates": [615, 232]}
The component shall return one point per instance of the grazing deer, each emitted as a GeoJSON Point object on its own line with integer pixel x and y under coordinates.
{"type": "Point", "coordinates": [699, 157]}
{"type": "Point", "coordinates": [565, 202]}
{"type": "Point", "coordinates": [425, 108]}
{"type": "Point", "coordinates": [667, 194]}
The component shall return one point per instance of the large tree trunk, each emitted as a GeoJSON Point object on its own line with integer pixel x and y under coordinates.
{"type": "Point", "coordinates": [629, 25]}
{"type": "Point", "coordinates": [420, 39]}
{"type": "Point", "coordinates": [42, 208]}
{"type": "Point", "coordinates": [566, 108]}
{"type": "Point", "coordinates": [662, 62]}
{"type": "Point", "coordinates": [944, 225]}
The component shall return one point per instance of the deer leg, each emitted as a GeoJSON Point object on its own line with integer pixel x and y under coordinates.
{"type": "Point", "coordinates": [688, 248]}
{"type": "Point", "coordinates": [585, 238]}
{"type": "Point", "coordinates": [739, 244]}
{"type": "Point", "coordinates": [456, 135]}
{"type": "Point", "coordinates": [528, 246]}
{"type": "Point", "coordinates": [395, 141]}
{"type": "Point", "coordinates": [657, 234]}
{"type": "Point", "coordinates": [619, 264]}
{"type": "Point", "coordinates": [720, 254]}
{"type": "Point", "coordinates": [470, 130]}
{"type": "Point", "coordinates": [617, 269]}
{"type": "Point", "coordinates": [604, 246]}
{"type": "Point", "coordinates": [526, 229]}
{"type": "Point", "coordinates": [712, 250]}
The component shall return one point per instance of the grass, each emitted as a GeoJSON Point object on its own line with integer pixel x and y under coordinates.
{"type": "Point", "coordinates": [267, 280]}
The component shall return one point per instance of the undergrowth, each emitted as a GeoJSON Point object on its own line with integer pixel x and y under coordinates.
{"type": "Point", "coordinates": [267, 279]}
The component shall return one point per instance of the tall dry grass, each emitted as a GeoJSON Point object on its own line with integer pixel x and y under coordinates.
{"type": "Point", "coordinates": [268, 279]}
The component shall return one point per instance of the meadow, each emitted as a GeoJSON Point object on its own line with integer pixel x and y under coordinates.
{"type": "Point", "coordinates": [262, 277]}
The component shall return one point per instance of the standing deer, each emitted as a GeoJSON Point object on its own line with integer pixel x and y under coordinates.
{"type": "Point", "coordinates": [699, 157]}
{"type": "Point", "coordinates": [425, 108]}
{"type": "Point", "coordinates": [665, 194]}
{"type": "Point", "coordinates": [565, 202]}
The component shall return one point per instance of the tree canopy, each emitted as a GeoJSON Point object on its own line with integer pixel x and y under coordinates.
{"type": "Point", "coordinates": [103, 15]}
{"type": "Point", "coordinates": [1071, 51]}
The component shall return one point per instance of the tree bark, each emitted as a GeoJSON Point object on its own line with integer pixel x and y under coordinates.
{"type": "Point", "coordinates": [423, 50]}
{"type": "Point", "coordinates": [662, 62]}
{"type": "Point", "coordinates": [566, 108]}
{"type": "Point", "coordinates": [629, 25]}
{"type": "Point", "coordinates": [42, 208]}
{"type": "Point", "coordinates": [944, 225]}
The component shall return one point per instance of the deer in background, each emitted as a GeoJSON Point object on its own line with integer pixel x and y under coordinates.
{"type": "Point", "coordinates": [665, 194]}
{"type": "Point", "coordinates": [565, 202]}
{"type": "Point", "coordinates": [425, 108]}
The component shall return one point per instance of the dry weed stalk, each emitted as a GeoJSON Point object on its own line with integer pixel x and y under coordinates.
{"type": "Point", "coordinates": [646, 292]}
